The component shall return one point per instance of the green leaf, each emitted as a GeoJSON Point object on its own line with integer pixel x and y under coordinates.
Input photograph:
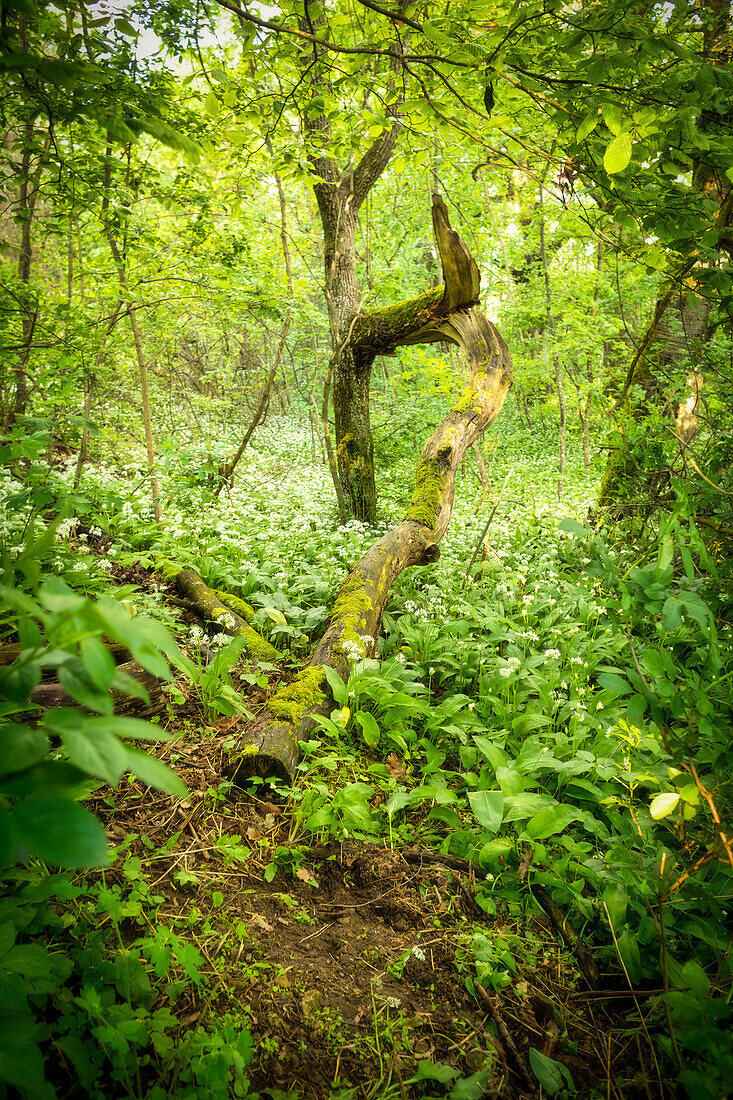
{"type": "Point", "coordinates": [519, 806]}
{"type": "Point", "coordinates": [616, 901]}
{"type": "Point", "coordinates": [18, 681]}
{"type": "Point", "coordinates": [55, 595]}
{"type": "Point", "coordinates": [614, 683]}
{"type": "Point", "coordinates": [618, 154]}
{"type": "Point", "coordinates": [98, 662]}
{"type": "Point", "coordinates": [549, 1073]}
{"type": "Point", "coordinates": [628, 949]}
{"type": "Point", "coordinates": [20, 747]}
{"type": "Point", "coordinates": [664, 804]}
{"type": "Point", "coordinates": [336, 684]}
{"type": "Point", "coordinates": [154, 772]}
{"type": "Point", "coordinates": [370, 727]}
{"type": "Point", "coordinates": [134, 729]}
{"type": "Point", "coordinates": [551, 821]}
{"type": "Point", "coordinates": [588, 125]}
{"type": "Point", "coordinates": [696, 978]}
{"type": "Point", "coordinates": [75, 681]}
{"type": "Point", "coordinates": [612, 117]}
{"type": "Point", "coordinates": [572, 527]}
{"type": "Point", "coordinates": [671, 613]}
{"type": "Point", "coordinates": [434, 1071]}
{"type": "Point", "coordinates": [488, 809]}
{"type": "Point", "coordinates": [94, 751]}
{"type": "Point", "coordinates": [61, 832]}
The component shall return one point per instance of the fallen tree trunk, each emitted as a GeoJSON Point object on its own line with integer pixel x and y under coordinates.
{"type": "Point", "coordinates": [270, 743]}
{"type": "Point", "coordinates": [231, 615]}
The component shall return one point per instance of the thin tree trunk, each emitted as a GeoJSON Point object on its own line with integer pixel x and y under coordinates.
{"type": "Point", "coordinates": [27, 198]}
{"type": "Point", "coordinates": [226, 471]}
{"type": "Point", "coordinates": [552, 330]}
{"type": "Point", "coordinates": [585, 422]}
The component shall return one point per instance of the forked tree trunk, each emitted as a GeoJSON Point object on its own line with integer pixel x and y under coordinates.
{"type": "Point", "coordinates": [270, 744]}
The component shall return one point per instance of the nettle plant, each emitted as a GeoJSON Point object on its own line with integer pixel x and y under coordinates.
{"type": "Point", "coordinates": [51, 758]}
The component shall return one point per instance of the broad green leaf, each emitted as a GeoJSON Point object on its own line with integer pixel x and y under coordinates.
{"type": "Point", "coordinates": [618, 154]}
{"type": "Point", "coordinates": [336, 684]}
{"type": "Point", "coordinates": [134, 729]}
{"type": "Point", "coordinates": [572, 527]}
{"type": "Point", "coordinates": [611, 681]}
{"type": "Point", "coordinates": [94, 751]}
{"type": "Point", "coordinates": [488, 808]}
{"type": "Point", "coordinates": [671, 613]}
{"type": "Point", "coordinates": [75, 681]}
{"type": "Point", "coordinates": [551, 821]}
{"type": "Point", "coordinates": [664, 804]}
{"type": "Point", "coordinates": [588, 125]}
{"type": "Point", "coordinates": [612, 117]}
{"type": "Point", "coordinates": [517, 807]}
{"type": "Point", "coordinates": [696, 978]}
{"type": "Point", "coordinates": [434, 1071]}
{"type": "Point", "coordinates": [550, 1074]}
{"type": "Point", "coordinates": [20, 747]}
{"type": "Point", "coordinates": [495, 756]}
{"type": "Point", "coordinates": [616, 901]}
{"type": "Point", "coordinates": [370, 728]}
{"type": "Point", "coordinates": [98, 662]}
{"type": "Point", "coordinates": [55, 595]}
{"type": "Point", "coordinates": [17, 681]}
{"type": "Point", "coordinates": [61, 832]}
{"type": "Point", "coordinates": [628, 949]}
{"type": "Point", "coordinates": [154, 772]}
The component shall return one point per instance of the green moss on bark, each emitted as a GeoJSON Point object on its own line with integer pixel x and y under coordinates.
{"type": "Point", "coordinates": [426, 500]}
{"type": "Point", "coordinates": [241, 607]}
{"type": "Point", "coordinates": [303, 696]}
{"type": "Point", "coordinates": [167, 569]}
{"type": "Point", "coordinates": [351, 609]}
{"type": "Point", "coordinates": [467, 400]}
{"type": "Point", "coordinates": [256, 645]}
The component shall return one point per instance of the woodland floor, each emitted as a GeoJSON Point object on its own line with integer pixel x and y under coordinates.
{"type": "Point", "coordinates": [347, 969]}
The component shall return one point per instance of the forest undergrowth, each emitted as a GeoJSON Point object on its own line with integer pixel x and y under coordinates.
{"type": "Point", "coordinates": [504, 866]}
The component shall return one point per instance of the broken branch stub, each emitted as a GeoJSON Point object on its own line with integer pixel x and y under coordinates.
{"type": "Point", "coordinates": [270, 744]}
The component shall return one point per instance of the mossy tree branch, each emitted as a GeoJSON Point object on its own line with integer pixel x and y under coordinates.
{"type": "Point", "coordinates": [270, 743]}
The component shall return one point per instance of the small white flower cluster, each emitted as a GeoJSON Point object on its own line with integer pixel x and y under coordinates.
{"type": "Point", "coordinates": [66, 527]}
{"type": "Point", "coordinates": [418, 953]}
{"type": "Point", "coordinates": [220, 639]}
{"type": "Point", "coordinates": [351, 650]}
{"type": "Point", "coordinates": [228, 620]}
{"type": "Point", "coordinates": [104, 564]}
{"type": "Point", "coordinates": [514, 662]}
{"type": "Point", "coordinates": [529, 635]}
{"type": "Point", "coordinates": [196, 634]}
{"type": "Point", "coordinates": [552, 654]}
{"type": "Point", "coordinates": [95, 532]}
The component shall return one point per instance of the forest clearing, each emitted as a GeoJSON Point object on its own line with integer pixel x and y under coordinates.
{"type": "Point", "coordinates": [365, 550]}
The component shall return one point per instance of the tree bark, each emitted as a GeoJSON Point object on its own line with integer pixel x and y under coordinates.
{"type": "Point", "coordinates": [340, 194]}
{"type": "Point", "coordinates": [270, 744]}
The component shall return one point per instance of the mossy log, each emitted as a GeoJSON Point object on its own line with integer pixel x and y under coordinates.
{"type": "Point", "coordinates": [270, 744]}
{"type": "Point", "coordinates": [230, 614]}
